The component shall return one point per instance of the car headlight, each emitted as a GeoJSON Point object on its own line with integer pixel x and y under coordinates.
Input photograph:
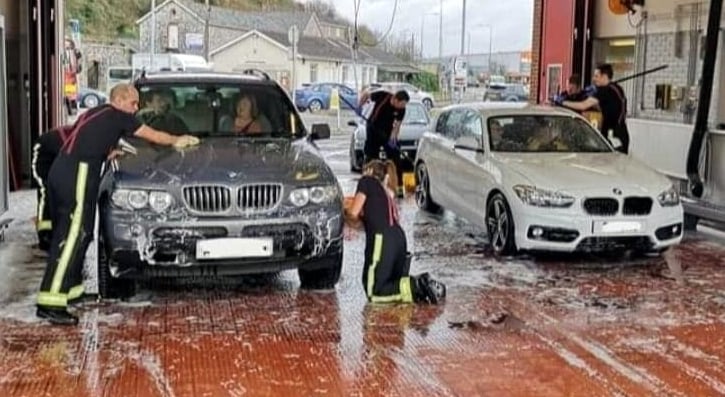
{"type": "Point", "coordinates": [300, 197]}
{"type": "Point", "coordinates": [134, 199]}
{"type": "Point", "coordinates": [138, 199]}
{"type": "Point", "coordinates": [315, 195]}
{"type": "Point", "coordinates": [160, 201]}
{"type": "Point", "coordinates": [669, 197]}
{"type": "Point", "coordinates": [543, 198]}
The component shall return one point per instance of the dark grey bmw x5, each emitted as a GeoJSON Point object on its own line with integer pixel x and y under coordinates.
{"type": "Point", "coordinates": [255, 196]}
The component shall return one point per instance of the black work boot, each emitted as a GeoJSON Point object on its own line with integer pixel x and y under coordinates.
{"type": "Point", "coordinates": [56, 316]}
{"type": "Point", "coordinates": [81, 299]}
{"type": "Point", "coordinates": [422, 291]}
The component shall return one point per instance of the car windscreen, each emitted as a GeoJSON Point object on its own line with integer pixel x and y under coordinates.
{"type": "Point", "coordinates": [415, 113]}
{"type": "Point", "coordinates": [544, 134]}
{"type": "Point", "coordinates": [219, 110]}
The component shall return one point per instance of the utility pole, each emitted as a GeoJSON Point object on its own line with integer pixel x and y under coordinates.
{"type": "Point", "coordinates": [463, 30]}
{"type": "Point", "coordinates": [206, 31]}
{"type": "Point", "coordinates": [440, 34]}
{"type": "Point", "coordinates": [153, 34]}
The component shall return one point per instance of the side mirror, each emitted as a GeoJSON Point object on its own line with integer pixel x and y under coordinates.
{"type": "Point", "coordinates": [320, 131]}
{"type": "Point", "coordinates": [469, 143]}
{"type": "Point", "coordinates": [352, 123]}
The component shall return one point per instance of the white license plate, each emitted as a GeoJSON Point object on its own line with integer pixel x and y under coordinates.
{"type": "Point", "coordinates": [231, 248]}
{"type": "Point", "coordinates": [618, 227]}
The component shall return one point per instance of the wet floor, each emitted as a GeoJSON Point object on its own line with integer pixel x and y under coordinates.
{"type": "Point", "coordinates": [552, 326]}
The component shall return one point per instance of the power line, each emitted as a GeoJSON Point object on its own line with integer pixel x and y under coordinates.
{"type": "Point", "coordinates": [384, 36]}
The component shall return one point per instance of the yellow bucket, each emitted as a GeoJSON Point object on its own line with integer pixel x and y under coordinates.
{"type": "Point", "coordinates": [409, 181]}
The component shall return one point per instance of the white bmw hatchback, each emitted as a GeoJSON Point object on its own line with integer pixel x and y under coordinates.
{"type": "Point", "coordinates": [542, 179]}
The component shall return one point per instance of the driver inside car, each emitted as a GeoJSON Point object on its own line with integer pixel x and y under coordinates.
{"type": "Point", "coordinates": [158, 114]}
{"type": "Point", "coordinates": [546, 139]}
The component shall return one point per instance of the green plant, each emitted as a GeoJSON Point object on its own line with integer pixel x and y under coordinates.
{"type": "Point", "coordinates": [425, 81]}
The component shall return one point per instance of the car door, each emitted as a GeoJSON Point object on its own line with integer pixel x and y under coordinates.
{"type": "Point", "coordinates": [348, 97]}
{"type": "Point", "coordinates": [466, 175]}
{"type": "Point", "coordinates": [449, 134]}
{"type": "Point", "coordinates": [435, 154]}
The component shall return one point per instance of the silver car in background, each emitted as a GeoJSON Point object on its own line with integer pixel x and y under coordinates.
{"type": "Point", "coordinates": [414, 125]}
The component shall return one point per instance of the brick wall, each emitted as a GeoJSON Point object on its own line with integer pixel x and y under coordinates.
{"type": "Point", "coordinates": [187, 23]}
{"type": "Point", "coordinates": [535, 49]}
{"type": "Point", "coordinates": [97, 58]}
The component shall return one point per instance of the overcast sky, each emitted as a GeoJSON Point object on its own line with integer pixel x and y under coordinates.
{"type": "Point", "coordinates": [510, 20]}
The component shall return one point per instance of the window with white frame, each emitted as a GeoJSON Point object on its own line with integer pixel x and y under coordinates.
{"type": "Point", "coordinates": [313, 73]}
{"type": "Point", "coordinates": [364, 74]}
{"type": "Point", "coordinates": [371, 75]}
{"type": "Point", "coordinates": [345, 74]}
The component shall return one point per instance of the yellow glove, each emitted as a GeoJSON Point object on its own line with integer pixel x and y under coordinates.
{"type": "Point", "coordinates": [186, 141]}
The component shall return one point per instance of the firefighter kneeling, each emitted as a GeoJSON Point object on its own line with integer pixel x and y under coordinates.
{"type": "Point", "coordinates": [387, 261]}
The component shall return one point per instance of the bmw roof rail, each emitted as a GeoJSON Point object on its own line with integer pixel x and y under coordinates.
{"type": "Point", "coordinates": [257, 72]}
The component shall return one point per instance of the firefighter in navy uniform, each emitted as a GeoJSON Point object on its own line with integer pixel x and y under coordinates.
{"type": "Point", "coordinates": [73, 184]}
{"type": "Point", "coordinates": [45, 150]}
{"type": "Point", "coordinates": [387, 262]}
{"type": "Point", "coordinates": [610, 99]}
{"type": "Point", "coordinates": [383, 128]}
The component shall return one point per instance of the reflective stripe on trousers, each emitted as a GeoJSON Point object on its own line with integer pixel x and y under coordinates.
{"type": "Point", "coordinates": [54, 297]}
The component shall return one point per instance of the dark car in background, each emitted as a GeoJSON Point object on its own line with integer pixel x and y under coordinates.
{"type": "Point", "coordinates": [414, 125]}
{"type": "Point", "coordinates": [506, 93]}
{"type": "Point", "coordinates": [316, 97]}
{"type": "Point", "coordinates": [236, 204]}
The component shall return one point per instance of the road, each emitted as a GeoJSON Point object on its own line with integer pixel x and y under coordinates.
{"type": "Point", "coordinates": [554, 326]}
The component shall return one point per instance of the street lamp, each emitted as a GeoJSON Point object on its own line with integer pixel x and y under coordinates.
{"type": "Point", "coordinates": [422, 23]}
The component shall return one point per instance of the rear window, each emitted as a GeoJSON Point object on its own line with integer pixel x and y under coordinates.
{"type": "Point", "coordinates": [120, 74]}
{"type": "Point", "coordinates": [219, 110]}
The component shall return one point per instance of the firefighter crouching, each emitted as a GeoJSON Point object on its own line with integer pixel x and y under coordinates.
{"type": "Point", "coordinates": [73, 184]}
{"type": "Point", "coordinates": [386, 277]}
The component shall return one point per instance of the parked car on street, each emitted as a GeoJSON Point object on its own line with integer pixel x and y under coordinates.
{"type": "Point", "coordinates": [239, 203]}
{"type": "Point", "coordinates": [414, 125]}
{"type": "Point", "coordinates": [506, 93]}
{"type": "Point", "coordinates": [540, 178]}
{"type": "Point", "coordinates": [316, 97]}
{"type": "Point", "coordinates": [90, 98]}
{"type": "Point", "coordinates": [415, 93]}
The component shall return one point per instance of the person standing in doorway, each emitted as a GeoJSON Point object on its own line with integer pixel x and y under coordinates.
{"type": "Point", "coordinates": [610, 99]}
{"type": "Point", "coordinates": [73, 184]}
{"type": "Point", "coordinates": [383, 128]}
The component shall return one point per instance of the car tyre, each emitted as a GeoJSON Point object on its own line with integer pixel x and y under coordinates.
{"type": "Point", "coordinates": [422, 190]}
{"type": "Point", "coordinates": [91, 101]}
{"type": "Point", "coordinates": [110, 287]}
{"type": "Point", "coordinates": [324, 275]}
{"type": "Point", "coordinates": [500, 226]}
{"type": "Point", "coordinates": [691, 222]}
{"type": "Point", "coordinates": [428, 103]}
{"type": "Point", "coordinates": [314, 106]}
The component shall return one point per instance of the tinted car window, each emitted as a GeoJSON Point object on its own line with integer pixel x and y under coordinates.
{"type": "Point", "coordinates": [210, 109]}
{"type": "Point", "coordinates": [472, 124]}
{"type": "Point", "coordinates": [541, 134]}
{"type": "Point", "coordinates": [441, 123]}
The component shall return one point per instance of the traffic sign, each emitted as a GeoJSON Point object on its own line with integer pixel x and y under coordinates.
{"type": "Point", "coordinates": [293, 35]}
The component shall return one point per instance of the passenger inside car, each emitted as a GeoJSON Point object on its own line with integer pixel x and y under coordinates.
{"type": "Point", "coordinates": [546, 138]}
{"type": "Point", "coordinates": [246, 117]}
{"type": "Point", "coordinates": [158, 112]}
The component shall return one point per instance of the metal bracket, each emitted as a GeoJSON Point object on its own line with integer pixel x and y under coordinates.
{"type": "Point", "coordinates": [257, 72]}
